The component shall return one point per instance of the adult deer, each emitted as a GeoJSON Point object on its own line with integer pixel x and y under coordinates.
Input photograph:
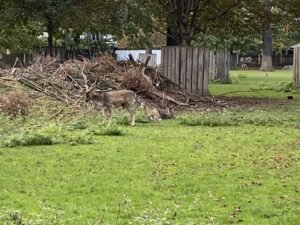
{"type": "Point", "coordinates": [121, 98]}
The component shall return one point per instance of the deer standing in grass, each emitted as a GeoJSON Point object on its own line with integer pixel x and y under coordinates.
{"type": "Point", "coordinates": [121, 98]}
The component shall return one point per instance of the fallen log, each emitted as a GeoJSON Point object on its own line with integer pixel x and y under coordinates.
{"type": "Point", "coordinates": [166, 97]}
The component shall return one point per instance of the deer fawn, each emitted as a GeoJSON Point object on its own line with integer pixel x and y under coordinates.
{"type": "Point", "coordinates": [121, 98]}
{"type": "Point", "coordinates": [151, 112]}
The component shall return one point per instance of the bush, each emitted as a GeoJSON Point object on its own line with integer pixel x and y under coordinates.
{"type": "Point", "coordinates": [278, 87]}
{"type": "Point", "coordinates": [28, 139]}
{"type": "Point", "coordinates": [109, 130]}
{"type": "Point", "coordinates": [77, 139]}
{"type": "Point", "coordinates": [212, 119]}
{"type": "Point", "coordinates": [218, 81]}
{"type": "Point", "coordinates": [261, 119]}
{"type": "Point", "coordinates": [15, 103]}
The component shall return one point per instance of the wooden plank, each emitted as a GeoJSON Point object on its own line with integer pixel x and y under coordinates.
{"type": "Point", "coordinates": [296, 65]}
{"type": "Point", "coordinates": [169, 51]}
{"type": "Point", "coordinates": [200, 71]}
{"type": "Point", "coordinates": [173, 63]}
{"type": "Point", "coordinates": [183, 58]}
{"type": "Point", "coordinates": [177, 65]}
{"type": "Point", "coordinates": [206, 72]}
{"type": "Point", "coordinates": [189, 64]}
{"type": "Point", "coordinates": [217, 64]}
{"type": "Point", "coordinates": [228, 65]}
{"type": "Point", "coordinates": [195, 74]}
{"type": "Point", "coordinates": [164, 62]}
{"type": "Point", "coordinates": [212, 65]}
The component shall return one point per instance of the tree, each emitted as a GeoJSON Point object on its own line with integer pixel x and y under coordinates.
{"type": "Point", "coordinates": [267, 51]}
{"type": "Point", "coordinates": [180, 20]}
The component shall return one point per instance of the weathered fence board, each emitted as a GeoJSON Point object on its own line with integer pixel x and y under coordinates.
{"type": "Point", "coordinates": [188, 67]}
{"type": "Point", "coordinates": [222, 66]}
{"type": "Point", "coordinates": [183, 64]}
{"type": "Point", "coordinates": [234, 61]}
{"type": "Point", "coordinates": [296, 64]}
{"type": "Point", "coordinates": [188, 78]}
{"type": "Point", "coordinates": [212, 65]}
{"type": "Point", "coordinates": [206, 71]}
{"type": "Point", "coordinates": [195, 62]}
{"type": "Point", "coordinates": [200, 72]}
{"type": "Point", "coordinates": [177, 66]}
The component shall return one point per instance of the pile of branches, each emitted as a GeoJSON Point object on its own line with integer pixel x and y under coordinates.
{"type": "Point", "coordinates": [71, 81]}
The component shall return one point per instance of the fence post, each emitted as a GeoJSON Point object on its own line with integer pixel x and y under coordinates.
{"type": "Point", "coordinates": [296, 65]}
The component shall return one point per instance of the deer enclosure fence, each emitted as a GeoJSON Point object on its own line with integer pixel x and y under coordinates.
{"type": "Point", "coordinates": [188, 67]}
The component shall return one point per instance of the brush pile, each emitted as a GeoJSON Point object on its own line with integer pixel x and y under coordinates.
{"type": "Point", "coordinates": [71, 81]}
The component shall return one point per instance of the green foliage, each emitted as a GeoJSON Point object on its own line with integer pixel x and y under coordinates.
{"type": "Point", "coordinates": [208, 119]}
{"type": "Point", "coordinates": [28, 139]}
{"type": "Point", "coordinates": [218, 81]}
{"type": "Point", "coordinates": [261, 118]}
{"type": "Point", "coordinates": [238, 117]}
{"type": "Point", "coordinates": [107, 129]}
{"type": "Point", "coordinates": [278, 87]}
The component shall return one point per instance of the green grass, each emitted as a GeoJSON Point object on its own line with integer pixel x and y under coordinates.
{"type": "Point", "coordinates": [161, 173]}
{"type": "Point", "coordinates": [257, 84]}
{"type": "Point", "coordinates": [240, 166]}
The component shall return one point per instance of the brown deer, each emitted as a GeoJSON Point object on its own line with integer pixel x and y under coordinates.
{"type": "Point", "coordinates": [121, 98]}
{"type": "Point", "coordinates": [151, 112]}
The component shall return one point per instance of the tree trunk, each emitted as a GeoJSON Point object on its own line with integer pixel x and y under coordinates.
{"type": "Point", "coordinates": [170, 38]}
{"type": "Point", "coordinates": [50, 30]}
{"type": "Point", "coordinates": [266, 64]}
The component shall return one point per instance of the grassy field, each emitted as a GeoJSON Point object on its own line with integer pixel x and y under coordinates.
{"type": "Point", "coordinates": [235, 167]}
{"type": "Point", "coordinates": [258, 84]}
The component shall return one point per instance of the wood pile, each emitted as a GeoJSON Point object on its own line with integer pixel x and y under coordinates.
{"type": "Point", "coordinates": [71, 81]}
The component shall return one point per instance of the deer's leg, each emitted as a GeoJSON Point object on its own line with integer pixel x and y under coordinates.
{"type": "Point", "coordinates": [131, 111]}
{"type": "Point", "coordinates": [107, 113]}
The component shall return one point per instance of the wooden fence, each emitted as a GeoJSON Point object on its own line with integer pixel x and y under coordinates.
{"type": "Point", "coordinates": [188, 67]}
{"type": "Point", "coordinates": [296, 64]}
{"type": "Point", "coordinates": [220, 63]}
{"type": "Point", "coordinates": [15, 60]}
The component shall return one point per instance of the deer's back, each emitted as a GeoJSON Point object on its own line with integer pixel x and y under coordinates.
{"type": "Point", "coordinates": [118, 98]}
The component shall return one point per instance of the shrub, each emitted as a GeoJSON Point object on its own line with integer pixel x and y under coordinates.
{"type": "Point", "coordinates": [109, 130]}
{"type": "Point", "coordinates": [79, 139]}
{"type": "Point", "coordinates": [261, 119]}
{"type": "Point", "coordinates": [218, 81]}
{"type": "Point", "coordinates": [28, 139]}
{"type": "Point", "coordinates": [212, 119]}
{"type": "Point", "coordinates": [15, 103]}
{"type": "Point", "coordinates": [278, 87]}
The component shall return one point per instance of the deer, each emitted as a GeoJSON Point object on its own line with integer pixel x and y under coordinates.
{"type": "Point", "coordinates": [121, 98]}
{"type": "Point", "coordinates": [151, 112]}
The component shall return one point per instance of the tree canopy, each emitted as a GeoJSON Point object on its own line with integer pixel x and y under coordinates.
{"type": "Point", "coordinates": [223, 23]}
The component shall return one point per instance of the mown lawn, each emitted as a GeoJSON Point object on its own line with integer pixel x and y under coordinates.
{"type": "Point", "coordinates": [239, 167]}
{"type": "Point", "coordinates": [258, 84]}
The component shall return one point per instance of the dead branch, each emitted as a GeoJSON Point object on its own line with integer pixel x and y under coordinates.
{"type": "Point", "coordinates": [166, 97]}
